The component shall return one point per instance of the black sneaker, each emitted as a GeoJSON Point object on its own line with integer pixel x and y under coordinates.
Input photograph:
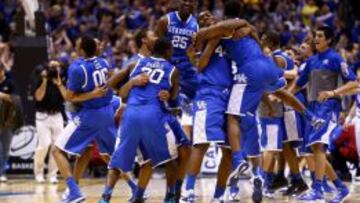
{"type": "Point", "coordinates": [280, 182]}
{"type": "Point", "coordinates": [257, 195]}
{"type": "Point", "coordinates": [136, 200]}
{"type": "Point", "coordinates": [296, 188]}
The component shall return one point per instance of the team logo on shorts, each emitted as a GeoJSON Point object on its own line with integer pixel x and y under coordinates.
{"type": "Point", "coordinates": [240, 78]}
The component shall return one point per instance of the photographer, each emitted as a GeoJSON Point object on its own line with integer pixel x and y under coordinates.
{"type": "Point", "coordinates": [49, 95]}
{"type": "Point", "coordinates": [6, 103]}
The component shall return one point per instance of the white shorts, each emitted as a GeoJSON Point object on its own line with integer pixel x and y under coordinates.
{"type": "Point", "coordinates": [186, 119]}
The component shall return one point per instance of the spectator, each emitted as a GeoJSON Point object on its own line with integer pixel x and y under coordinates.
{"type": "Point", "coordinates": [6, 92]}
{"type": "Point", "coordinates": [49, 96]}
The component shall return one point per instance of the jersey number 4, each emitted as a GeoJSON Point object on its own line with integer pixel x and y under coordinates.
{"type": "Point", "coordinates": [100, 77]}
{"type": "Point", "coordinates": [155, 75]}
{"type": "Point", "coordinates": [179, 42]}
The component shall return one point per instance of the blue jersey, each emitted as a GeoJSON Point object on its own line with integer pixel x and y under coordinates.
{"type": "Point", "coordinates": [159, 71]}
{"type": "Point", "coordinates": [243, 50]}
{"type": "Point", "coordinates": [289, 62]}
{"type": "Point", "coordinates": [180, 34]}
{"type": "Point", "coordinates": [115, 102]}
{"type": "Point", "coordinates": [84, 75]}
{"type": "Point", "coordinates": [356, 68]}
{"type": "Point", "coordinates": [218, 71]}
{"type": "Point", "coordinates": [327, 60]}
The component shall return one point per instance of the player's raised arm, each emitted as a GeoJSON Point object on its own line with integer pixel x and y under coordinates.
{"type": "Point", "coordinates": [247, 30]}
{"type": "Point", "coordinates": [160, 29]}
{"type": "Point", "coordinates": [206, 54]}
{"type": "Point", "coordinates": [175, 77]}
{"type": "Point", "coordinates": [121, 76]}
{"type": "Point", "coordinates": [221, 29]}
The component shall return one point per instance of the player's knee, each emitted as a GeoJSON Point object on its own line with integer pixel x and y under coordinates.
{"type": "Point", "coordinates": [55, 151]}
{"type": "Point", "coordinates": [317, 148]}
{"type": "Point", "coordinates": [201, 148]}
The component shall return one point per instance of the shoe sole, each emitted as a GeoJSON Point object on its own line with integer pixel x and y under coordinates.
{"type": "Point", "coordinates": [345, 198]}
{"type": "Point", "coordinates": [80, 199]}
{"type": "Point", "coordinates": [257, 195]}
{"type": "Point", "coordinates": [239, 170]}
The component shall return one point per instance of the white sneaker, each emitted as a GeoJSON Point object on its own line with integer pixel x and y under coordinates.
{"type": "Point", "coordinates": [53, 180]}
{"type": "Point", "coordinates": [39, 179]}
{"type": "Point", "coordinates": [65, 194]}
{"type": "Point", "coordinates": [3, 179]}
{"type": "Point", "coordinates": [357, 178]}
{"type": "Point", "coordinates": [217, 200]}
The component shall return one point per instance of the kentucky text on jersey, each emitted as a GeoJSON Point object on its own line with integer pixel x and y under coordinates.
{"type": "Point", "coordinates": [180, 34]}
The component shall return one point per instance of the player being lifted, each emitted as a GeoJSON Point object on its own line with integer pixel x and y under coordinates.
{"type": "Point", "coordinates": [179, 27]}
{"type": "Point", "coordinates": [255, 75]}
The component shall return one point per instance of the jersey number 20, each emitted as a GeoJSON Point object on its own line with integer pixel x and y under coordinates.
{"type": "Point", "coordinates": [155, 75]}
{"type": "Point", "coordinates": [100, 77]}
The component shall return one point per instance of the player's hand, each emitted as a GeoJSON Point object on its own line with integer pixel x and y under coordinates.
{"type": "Point", "coordinates": [198, 42]}
{"type": "Point", "coordinates": [140, 80]}
{"type": "Point", "coordinates": [164, 95]}
{"type": "Point", "coordinates": [273, 98]}
{"type": "Point", "coordinates": [324, 95]}
{"type": "Point", "coordinates": [100, 91]}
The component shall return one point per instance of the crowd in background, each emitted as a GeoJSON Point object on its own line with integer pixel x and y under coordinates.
{"type": "Point", "coordinates": [113, 22]}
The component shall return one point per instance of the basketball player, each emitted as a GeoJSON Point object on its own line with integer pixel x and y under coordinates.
{"type": "Point", "coordinates": [179, 27]}
{"type": "Point", "coordinates": [250, 83]}
{"type": "Point", "coordinates": [86, 84]}
{"type": "Point", "coordinates": [209, 112]}
{"type": "Point", "coordinates": [145, 39]}
{"type": "Point", "coordinates": [144, 126]}
{"type": "Point", "coordinates": [82, 161]}
{"type": "Point", "coordinates": [321, 74]}
{"type": "Point", "coordinates": [289, 123]}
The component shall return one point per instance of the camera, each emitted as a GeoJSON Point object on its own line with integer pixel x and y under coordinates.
{"type": "Point", "coordinates": [53, 69]}
{"type": "Point", "coordinates": [52, 73]}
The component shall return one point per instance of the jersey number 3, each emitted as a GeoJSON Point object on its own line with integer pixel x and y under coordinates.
{"type": "Point", "coordinates": [155, 75]}
{"type": "Point", "coordinates": [100, 77]}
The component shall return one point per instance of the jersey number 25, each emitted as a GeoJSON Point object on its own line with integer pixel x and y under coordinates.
{"type": "Point", "coordinates": [179, 42]}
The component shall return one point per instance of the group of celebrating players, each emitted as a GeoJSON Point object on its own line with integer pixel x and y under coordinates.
{"type": "Point", "coordinates": [228, 86]}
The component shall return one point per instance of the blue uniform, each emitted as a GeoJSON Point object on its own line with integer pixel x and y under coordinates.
{"type": "Point", "coordinates": [211, 99]}
{"type": "Point", "coordinates": [293, 121]}
{"type": "Point", "coordinates": [95, 119]}
{"type": "Point", "coordinates": [332, 62]}
{"type": "Point", "coordinates": [254, 74]}
{"type": "Point", "coordinates": [180, 34]}
{"type": "Point", "coordinates": [144, 125]}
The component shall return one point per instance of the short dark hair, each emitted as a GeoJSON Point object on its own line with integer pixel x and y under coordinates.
{"type": "Point", "coordinates": [139, 36]}
{"type": "Point", "coordinates": [88, 44]}
{"type": "Point", "coordinates": [233, 9]}
{"type": "Point", "coordinates": [273, 38]}
{"type": "Point", "coordinates": [161, 46]}
{"type": "Point", "coordinates": [328, 32]}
